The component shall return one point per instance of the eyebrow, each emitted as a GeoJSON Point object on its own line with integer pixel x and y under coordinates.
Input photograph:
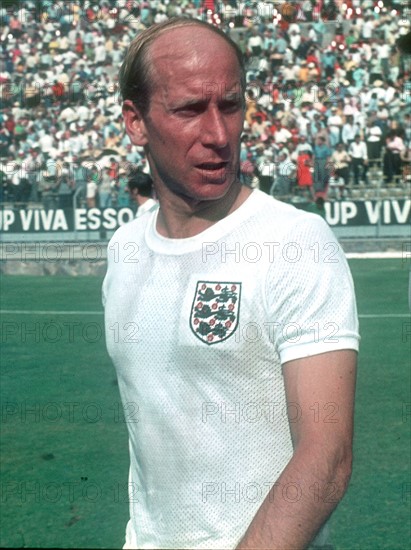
{"type": "Point", "coordinates": [190, 101]}
{"type": "Point", "coordinates": [187, 103]}
{"type": "Point", "coordinates": [203, 101]}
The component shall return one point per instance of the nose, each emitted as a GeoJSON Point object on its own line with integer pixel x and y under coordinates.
{"type": "Point", "coordinates": [214, 128]}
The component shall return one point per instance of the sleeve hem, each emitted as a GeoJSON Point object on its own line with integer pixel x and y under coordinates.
{"type": "Point", "coordinates": [300, 351]}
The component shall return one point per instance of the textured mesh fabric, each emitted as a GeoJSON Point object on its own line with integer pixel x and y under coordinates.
{"type": "Point", "coordinates": [197, 329]}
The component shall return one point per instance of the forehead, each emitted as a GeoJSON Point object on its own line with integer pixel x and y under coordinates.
{"type": "Point", "coordinates": [194, 57]}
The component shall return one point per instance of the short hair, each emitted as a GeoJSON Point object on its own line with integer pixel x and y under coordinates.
{"type": "Point", "coordinates": [142, 182]}
{"type": "Point", "coordinates": [135, 76]}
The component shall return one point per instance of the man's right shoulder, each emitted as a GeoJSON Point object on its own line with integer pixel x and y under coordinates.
{"type": "Point", "coordinates": [132, 231]}
{"type": "Point", "coordinates": [125, 248]}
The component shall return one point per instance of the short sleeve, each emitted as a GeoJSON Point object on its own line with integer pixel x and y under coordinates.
{"type": "Point", "coordinates": [310, 293]}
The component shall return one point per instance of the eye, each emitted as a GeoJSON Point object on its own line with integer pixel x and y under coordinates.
{"type": "Point", "coordinates": [190, 110]}
{"type": "Point", "coordinates": [230, 105]}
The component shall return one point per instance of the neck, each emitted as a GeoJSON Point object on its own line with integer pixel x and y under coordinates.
{"type": "Point", "coordinates": [180, 218]}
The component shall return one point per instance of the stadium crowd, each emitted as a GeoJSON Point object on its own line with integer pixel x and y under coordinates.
{"type": "Point", "coordinates": [326, 96]}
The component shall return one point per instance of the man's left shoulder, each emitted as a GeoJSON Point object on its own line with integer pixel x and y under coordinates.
{"type": "Point", "coordinates": [287, 216]}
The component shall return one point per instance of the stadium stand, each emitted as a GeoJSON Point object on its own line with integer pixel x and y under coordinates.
{"type": "Point", "coordinates": [316, 71]}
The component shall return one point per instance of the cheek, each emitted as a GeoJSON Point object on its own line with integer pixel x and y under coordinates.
{"type": "Point", "coordinates": [177, 139]}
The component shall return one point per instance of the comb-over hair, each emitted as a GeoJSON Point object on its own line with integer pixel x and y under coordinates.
{"type": "Point", "coordinates": [136, 76]}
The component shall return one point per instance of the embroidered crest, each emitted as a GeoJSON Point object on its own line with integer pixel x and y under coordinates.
{"type": "Point", "coordinates": [215, 310]}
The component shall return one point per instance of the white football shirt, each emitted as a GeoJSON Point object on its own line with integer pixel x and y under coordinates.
{"type": "Point", "coordinates": [197, 329]}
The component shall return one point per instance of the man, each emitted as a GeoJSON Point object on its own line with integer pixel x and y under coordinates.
{"type": "Point", "coordinates": [303, 146]}
{"type": "Point", "coordinates": [334, 123]}
{"type": "Point", "coordinates": [285, 175]}
{"type": "Point", "coordinates": [359, 159]}
{"type": "Point", "coordinates": [373, 136]}
{"type": "Point", "coordinates": [218, 336]}
{"type": "Point", "coordinates": [349, 131]}
{"type": "Point", "coordinates": [140, 187]}
{"type": "Point", "coordinates": [266, 170]}
{"type": "Point", "coordinates": [340, 162]}
{"type": "Point", "coordinates": [322, 154]}
{"type": "Point", "coordinates": [255, 43]}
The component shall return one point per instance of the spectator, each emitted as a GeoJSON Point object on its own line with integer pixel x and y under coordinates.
{"type": "Point", "coordinates": [303, 146]}
{"type": "Point", "coordinates": [281, 134]}
{"type": "Point", "coordinates": [123, 198]}
{"type": "Point", "coordinates": [322, 154]}
{"type": "Point", "coordinates": [91, 193]}
{"type": "Point", "coordinates": [384, 52]}
{"type": "Point", "coordinates": [305, 169]}
{"type": "Point", "coordinates": [48, 186]}
{"type": "Point", "coordinates": [405, 157]}
{"type": "Point", "coordinates": [258, 127]}
{"type": "Point", "coordinates": [334, 123]}
{"type": "Point", "coordinates": [69, 106]}
{"type": "Point", "coordinates": [255, 43]}
{"type": "Point", "coordinates": [349, 131]}
{"type": "Point", "coordinates": [359, 160]}
{"type": "Point", "coordinates": [267, 170]}
{"type": "Point", "coordinates": [321, 131]}
{"type": "Point", "coordinates": [285, 176]}
{"type": "Point", "coordinates": [394, 147]}
{"type": "Point", "coordinates": [340, 161]}
{"type": "Point", "coordinates": [140, 186]}
{"type": "Point", "coordinates": [65, 187]}
{"type": "Point", "coordinates": [105, 189]}
{"type": "Point", "coordinates": [373, 138]}
{"type": "Point", "coordinates": [328, 61]}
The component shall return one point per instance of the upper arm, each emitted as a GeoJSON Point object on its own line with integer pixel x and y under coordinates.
{"type": "Point", "coordinates": [320, 393]}
{"type": "Point", "coordinates": [313, 302]}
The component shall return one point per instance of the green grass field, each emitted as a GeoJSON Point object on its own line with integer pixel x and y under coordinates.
{"type": "Point", "coordinates": [64, 443]}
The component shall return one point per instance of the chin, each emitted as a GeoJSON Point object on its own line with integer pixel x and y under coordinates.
{"type": "Point", "coordinates": [216, 177]}
{"type": "Point", "coordinates": [213, 191]}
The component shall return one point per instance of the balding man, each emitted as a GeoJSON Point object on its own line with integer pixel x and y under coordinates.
{"type": "Point", "coordinates": [236, 356]}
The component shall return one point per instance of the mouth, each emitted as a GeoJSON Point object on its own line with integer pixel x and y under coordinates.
{"type": "Point", "coordinates": [212, 166]}
{"type": "Point", "coordinates": [213, 172]}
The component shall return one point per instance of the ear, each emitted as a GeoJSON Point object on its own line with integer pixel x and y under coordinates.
{"type": "Point", "coordinates": [134, 122]}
